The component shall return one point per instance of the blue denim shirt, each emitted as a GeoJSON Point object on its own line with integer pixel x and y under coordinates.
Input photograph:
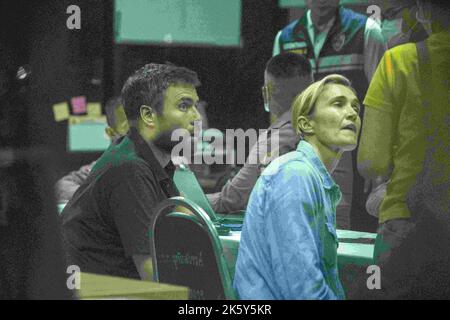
{"type": "Point", "coordinates": [288, 247]}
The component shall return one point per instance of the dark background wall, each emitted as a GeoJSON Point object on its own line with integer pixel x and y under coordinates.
{"type": "Point", "coordinates": [63, 64]}
{"type": "Point", "coordinates": [231, 77]}
{"type": "Point", "coordinates": [14, 52]}
{"type": "Point", "coordinates": [67, 63]}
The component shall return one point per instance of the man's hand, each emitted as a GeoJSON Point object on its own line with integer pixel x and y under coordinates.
{"type": "Point", "coordinates": [372, 184]}
{"type": "Point", "coordinates": [390, 236]}
{"type": "Point", "coordinates": [377, 188]}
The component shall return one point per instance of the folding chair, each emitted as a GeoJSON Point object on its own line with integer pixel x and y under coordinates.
{"type": "Point", "coordinates": [187, 251]}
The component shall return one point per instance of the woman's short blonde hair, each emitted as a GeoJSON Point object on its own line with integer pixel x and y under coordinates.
{"type": "Point", "coordinates": [303, 104]}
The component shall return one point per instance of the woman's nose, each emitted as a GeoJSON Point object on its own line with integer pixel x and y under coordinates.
{"type": "Point", "coordinates": [352, 113]}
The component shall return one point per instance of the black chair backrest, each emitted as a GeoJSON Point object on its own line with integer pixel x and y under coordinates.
{"type": "Point", "coordinates": [185, 256]}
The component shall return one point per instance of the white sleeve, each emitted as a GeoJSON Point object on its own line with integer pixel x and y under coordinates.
{"type": "Point", "coordinates": [374, 47]}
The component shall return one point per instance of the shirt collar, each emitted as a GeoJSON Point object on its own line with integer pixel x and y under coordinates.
{"type": "Point", "coordinates": [312, 29]}
{"type": "Point", "coordinates": [157, 161]}
{"type": "Point", "coordinates": [310, 155]}
{"type": "Point", "coordinates": [310, 26]}
{"type": "Point", "coordinates": [150, 153]}
{"type": "Point", "coordinates": [162, 156]}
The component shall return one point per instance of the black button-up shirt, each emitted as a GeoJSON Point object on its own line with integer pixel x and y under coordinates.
{"type": "Point", "coordinates": [109, 217]}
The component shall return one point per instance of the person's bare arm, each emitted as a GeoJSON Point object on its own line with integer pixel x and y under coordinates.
{"type": "Point", "coordinates": [376, 144]}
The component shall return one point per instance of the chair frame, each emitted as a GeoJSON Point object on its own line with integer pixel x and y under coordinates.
{"type": "Point", "coordinates": [204, 220]}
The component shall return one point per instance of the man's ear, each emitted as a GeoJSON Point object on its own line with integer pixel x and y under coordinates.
{"type": "Point", "coordinates": [305, 126]}
{"type": "Point", "coordinates": [147, 115]}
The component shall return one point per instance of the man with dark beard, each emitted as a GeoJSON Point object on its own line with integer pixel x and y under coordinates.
{"type": "Point", "coordinates": [106, 223]}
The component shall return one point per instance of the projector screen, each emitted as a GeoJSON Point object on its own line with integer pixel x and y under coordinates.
{"type": "Point", "coordinates": [188, 22]}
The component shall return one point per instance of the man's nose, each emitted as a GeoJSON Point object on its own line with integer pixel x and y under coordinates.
{"type": "Point", "coordinates": [196, 116]}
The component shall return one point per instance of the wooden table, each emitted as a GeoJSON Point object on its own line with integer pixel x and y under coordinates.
{"type": "Point", "coordinates": [99, 287]}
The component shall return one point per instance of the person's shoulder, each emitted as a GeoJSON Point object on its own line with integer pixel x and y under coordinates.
{"type": "Point", "coordinates": [292, 24]}
{"type": "Point", "coordinates": [402, 55]}
{"type": "Point", "coordinates": [288, 165]}
{"type": "Point", "coordinates": [400, 59]}
{"type": "Point", "coordinates": [373, 28]}
{"type": "Point", "coordinates": [292, 27]}
{"type": "Point", "coordinates": [406, 49]}
{"type": "Point", "coordinates": [288, 138]}
{"type": "Point", "coordinates": [287, 129]}
{"type": "Point", "coordinates": [282, 129]}
{"type": "Point", "coordinates": [133, 164]}
{"type": "Point", "coordinates": [118, 157]}
{"type": "Point", "coordinates": [353, 15]}
{"type": "Point", "coordinates": [131, 168]}
{"type": "Point", "coordinates": [277, 164]}
{"type": "Point", "coordinates": [134, 174]}
{"type": "Point", "coordinates": [353, 19]}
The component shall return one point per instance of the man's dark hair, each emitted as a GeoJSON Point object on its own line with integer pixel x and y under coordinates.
{"type": "Point", "coordinates": [147, 86]}
{"type": "Point", "coordinates": [288, 65]}
{"type": "Point", "coordinates": [110, 109]}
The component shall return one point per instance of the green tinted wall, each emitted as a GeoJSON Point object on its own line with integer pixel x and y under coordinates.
{"type": "Point", "coordinates": [199, 22]}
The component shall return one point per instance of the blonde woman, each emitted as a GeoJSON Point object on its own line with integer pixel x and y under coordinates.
{"type": "Point", "coordinates": [288, 247]}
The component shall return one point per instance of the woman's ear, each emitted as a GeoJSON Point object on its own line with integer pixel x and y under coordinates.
{"type": "Point", "coordinates": [147, 115]}
{"type": "Point", "coordinates": [305, 126]}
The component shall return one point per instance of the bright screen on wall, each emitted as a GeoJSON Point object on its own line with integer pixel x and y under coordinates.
{"type": "Point", "coordinates": [188, 22]}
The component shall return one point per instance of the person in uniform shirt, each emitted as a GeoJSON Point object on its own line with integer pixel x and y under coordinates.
{"type": "Point", "coordinates": [106, 223]}
{"type": "Point", "coordinates": [337, 40]}
{"type": "Point", "coordinates": [285, 76]}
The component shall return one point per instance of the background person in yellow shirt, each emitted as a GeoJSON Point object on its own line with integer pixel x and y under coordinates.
{"type": "Point", "coordinates": [407, 121]}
